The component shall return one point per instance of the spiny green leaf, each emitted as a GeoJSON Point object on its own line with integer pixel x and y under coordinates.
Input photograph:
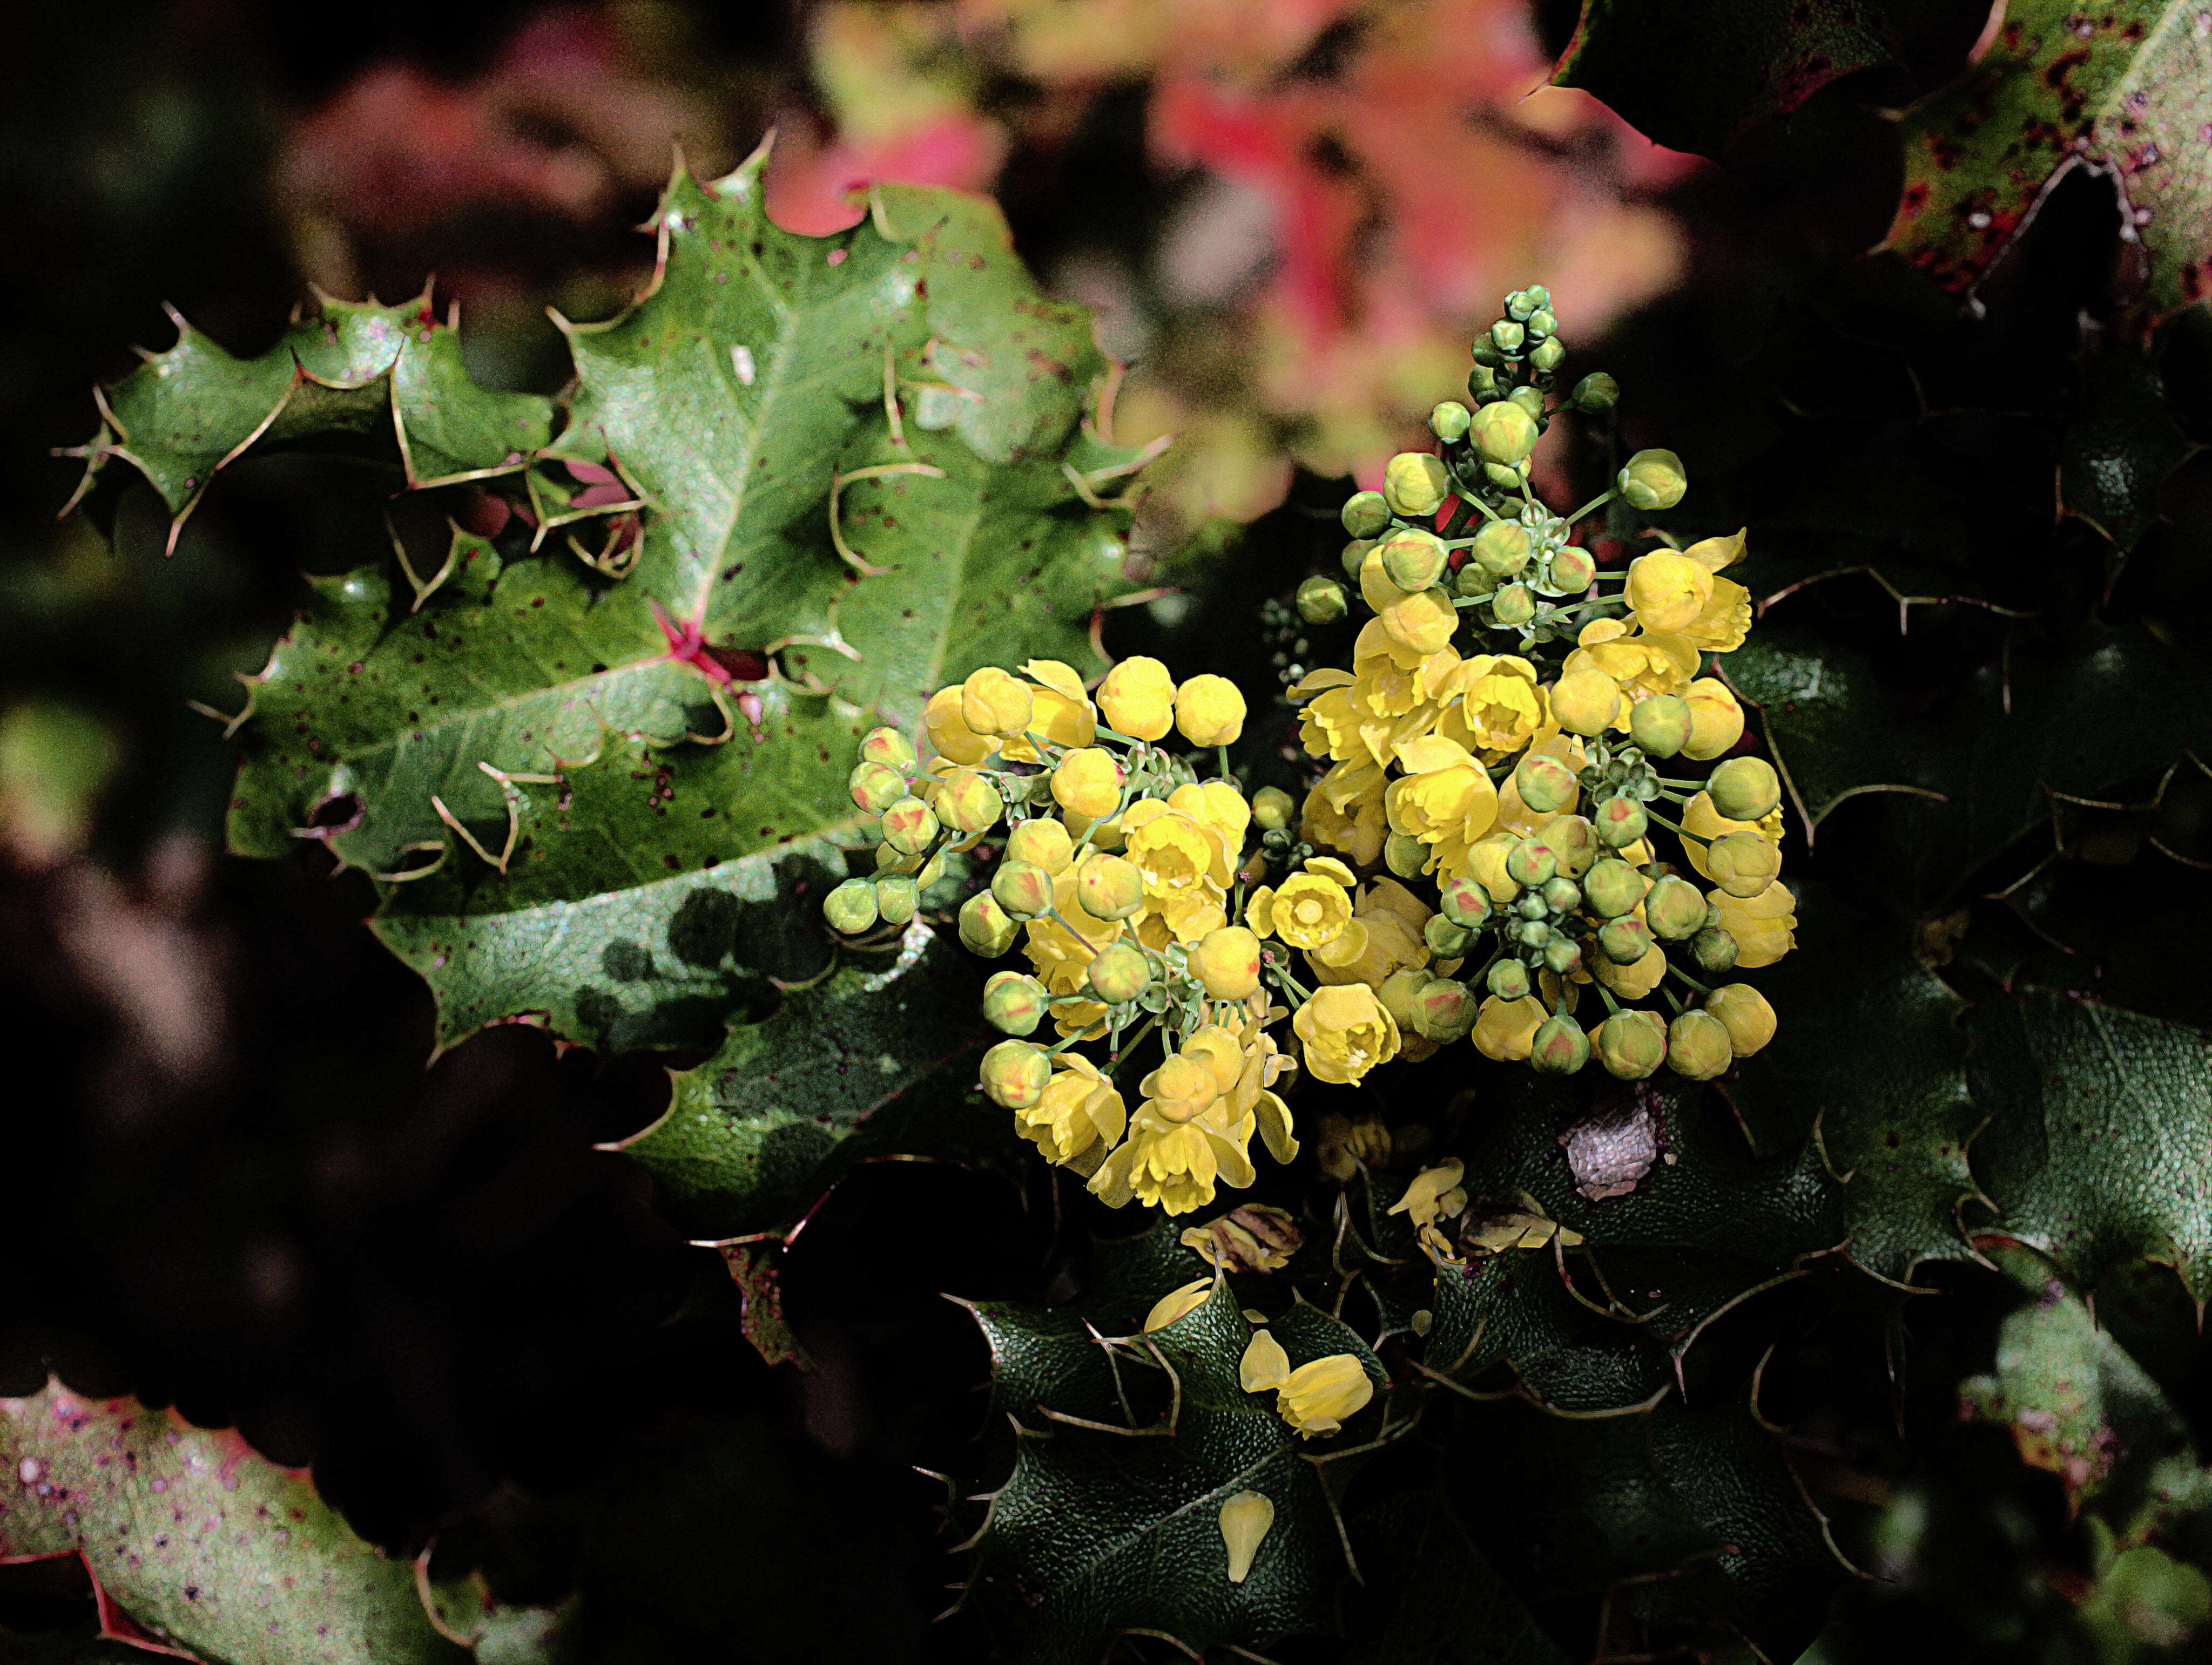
{"type": "Point", "coordinates": [199, 1540]}
{"type": "Point", "coordinates": [1697, 77]}
{"type": "Point", "coordinates": [2122, 86]}
{"type": "Point", "coordinates": [2099, 1121]}
{"type": "Point", "coordinates": [1431, 1597]}
{"type": "Point", "coordinates": [2122, 441]}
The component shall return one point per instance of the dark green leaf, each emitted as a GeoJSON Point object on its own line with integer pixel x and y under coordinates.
{"type": "Point", "coordinates": [2122, 441]}
{"type": "Point", "coordinates": [1431, 1597]}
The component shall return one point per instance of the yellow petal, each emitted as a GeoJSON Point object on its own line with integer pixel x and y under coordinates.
{"type": "Point", "coordinates": [1265, 1366]}
{"type": "Point", "coordinates": [1245, 1519]}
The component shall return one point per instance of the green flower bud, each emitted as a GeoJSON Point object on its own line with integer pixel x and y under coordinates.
{"type": "Point", "coordinates": [1041, 839]}
{"type": "Point", "coordinates": [1674, 909]}
{"type": "Point", "coordinates": [1535, 934]}
{"type": "Point", "coordinates": [1697, 1045]}
{"type": "Point", "coordinates": [875, 786]}
{"type": "Point", "coordinates": [1272, 809]}
{"type": "Point", "coordinates": [1562, 894]}
{"type": "Point", "coordinates": [1612, 888]}
{"type": "Point", "coordinates": [1530, 399]}
{"type": "Point", "coordinates": [1365, 514]}
{"type": "Point", "coordinates": [1572, 571]}
{"type": "Point", "coordinates": [1531, 862]}
{"type": "Point", "coordinates": [1660, 724]}
{"type": "Point", "coordinates": [1745, 788]}
{"type": "Point", "coordinates": [1508, 336]}
{"type": "Point", "coordinates": [1321, 600]}
{"type": "Point", "coordinates": [1464, 902]}
{"type": "Point", "coordinates": [986, 928]}
{"type": "Point", "coordinates": [909, 826]}
{"type": "Point", "coordinates": [1503, 432]}
{"type": "Point", "coordinates": [1546, 785]}
{"type": "Point", "coordinates": [1559, 1047]}
{"type": "Point", "coordinates": [1022, 888]}
{"type": "Point", "coordinates": [1397, 993]}
{"type": "Point", "coordinates": [1624, 941]}
{"type": "Point", "coordinates": [1471, 581]}
{"type": "Point", "coordinates": [1537, 295]}
{"type": "Point", "coordinates": [1742, 864]}
{"type": "Point", "coordinates": [1108, 887]}
{"type": "Point", "coordinates": [1014, 1073]}
{"type": "Point", "coordinates": [1715, 949]}
{"type": "Point", "coordinates": [850, 908]}
{"type": "Point", "coordinates": [1481, 384]}
{"type": "Point", "coordinates": [1449, 421]}
{"type": "Point", "coordinates": [968, 803]}
{"type": "Point", "coordinates": [1513, 606]}
{"type": "Point", "coordinates": [897, 898]}
{"type": "Point", "coordinates": [1500, 548]}
{"type": "Point", "coordinates": [887, 747]}
{"type": "Point", "coordinates": [1446, 941]}
{"type": "Point", "coordinates": [1119, 973]}
{"type": "Point", "coordinates": [1014, 1004]}
{"type": "Point", "coordinates": [1619, 822]}
{"type": "Point", "coordinates": [1405, 856]}
{"type": "Point", "coordinates": [1548, 356]}
{"type": "Point", "coordinates": [1540, 322]}
{"type": "Point", "coordinates": [1504, 478]}
{"type": "Point", "coordinates": [1520, 304]}
{"type": "Point", "coordinates": [1562, 955]}
{"type": "Point", "coordinates": [1484, 351]}
{"type": "Point", "coordinates": [1415, 483]}
{"type": "Point", "coordinates": [1413, 559]}
{"type": "Point", "coordinates": [1353, 556]}
{"type": "Point", "coordinates": [1596, 394]}
{"type": "Point", "coordinates": [1532, 905]}
{"type": "Point", "coordinates": [1631, 1045]}
{"type": "Point", "coordinates": [1508, 980]}
{"type": "Point", "coordinates": [1654, 480]}
{"type": "Point", "coordinates": [1445, 1011]}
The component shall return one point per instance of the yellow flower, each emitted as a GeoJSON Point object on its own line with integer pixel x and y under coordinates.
{"type": "Point", "coordinates": [1087, 782]}
{"type": "Point", "coordinates": [1586, 701]}
{"type": "Point", "coordinates": [1501, 710]}
{"type": "Point", "coordinates": [1445, 793]}
{"type": "Point", "coordinates": [1701, 819]}
{"type": "Point", "coordinates": [993, 703]}
{"type": "Point", "coordinates": [1329, 726]}
{"type": "Point", "coordinates": [1265, 1366]}
{"type": "Point", "coordinates": [1383, 936]}
{"type": "Point", "coordinates": [1309, 910]}
{"type": "Point", "coordinates": [1666, 591]}
{"type": "Point", "coordinates": [1245, 1520]}
{"type": "Point", "coordinates": [1716, 719]}
{"type": "Point", "coordinates": [1252, 1096]}
{"type": "Point", "coordinates": [1078, 1109]}
{"type": "Point", "coordinates": [1392, 679]}
{"type": "Point", "coordinates": [1357, 832]}
{"type": "Point", "coordinates": [1226, 963]}
{"type": "Point", "coordinates": [1506, 1029]}
{"type": "Point", "coordinates": [1635, 980]}
{"type": "Point", "coordinates": [1722, 622]}
{"type": "Point", "coordinates": [1138, 698]}
{"type": "Point", "coordinates": [1764, 925]}
{"type": "Point", "coordinates": [1219, 806]}
{"type": "Point", "coordinates": [1178, 1303]}
{"type": "Point", "coordinates": [1486, 865]}
{"type": "Point", "coordinates": [1642, 665]}
{"type": "Point", "coordinates": [1186, 867]}
{"type": "Point", "coordinates": [1170, 1165]}
{"type": "Point", "coordinates": [1060, 712]}
{"type": "Point", "coordinates": [1181, 1089]}
{"type": "Point", "coordinates": [952, 738]}
{"type": "Point", "coordinates": [1714, 554]}
{"type": "Point", "coordinates": [1319, 1395]}
{"type": "Point", "coordinates": [1423, 1200]}
{"type": "Point", "coordinates": [1422, 621]}
{"type": "Point", "coordinates": [1221, 1051]}
{"type": "Point", "coordinates": [1345, 1032]}
{"type": "Point", "coordinates": [1209, 711]}
{"type": "Point", "coordinates": [1744, 1013]}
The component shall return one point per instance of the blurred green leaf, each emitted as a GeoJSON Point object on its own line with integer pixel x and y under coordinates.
{"type": "Point", "coordinates": [2122, 441]}
{"type": "Point", "coordinates": [1432, 1598]}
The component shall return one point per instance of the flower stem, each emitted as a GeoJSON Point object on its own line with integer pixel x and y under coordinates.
{"type": "Point", "coordinates": [1596, 502]}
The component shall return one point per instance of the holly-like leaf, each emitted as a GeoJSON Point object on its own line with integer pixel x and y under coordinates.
{"type": "Point", "coordinates": [859, 454]}
{"type": "Point", "coordinates": [2124, 87]}
{"type": "Point", "coordinates": [2122, 441]}
{"type": "Point", "coordinates": [1697, 77]}
{"type": "Point", "coordinates": [201, 1543]}
{"type": "Point", "coordinates": [1431, 1597]}
{"type": "Point", "coordinates": [2100, 1118]}
{"type": "Point", "coordinates": [1097, 1529]}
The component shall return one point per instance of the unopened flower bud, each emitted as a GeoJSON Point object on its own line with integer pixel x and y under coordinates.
{"type": "Point", "coordinates": [1471, 580]}
{"type": "Point", "coordinates": [1660, 724]}
{"type": "Point", "coordinates": [1109, 887]}
{"type": "Point", "coordinates": [1272, 809]}
{"type": "Point", "coordinates": [1596, 394]}
{"type": "Point", "coordinates": [1500, 548]}
{"type": "Point", "coordinates": [1631, 1045]}
{"type": "Point", "coordinates": [1585, 701]}
{"type": "Point", "coordinates": [1540, 322]}
{"type": "Point", "coordinates": [1548, 356]}
{"type": "Point", "coordinates": [1529, 399]}
{"type": "Point", "coordinates": [1119, 973]}
{"type": "Point", "coordinates": [1562, 955]}
{"type": "Point", "coordinates": [1413, 559]}
{"type": "Point", "coordinates": [1744, 1013]}
{"type": "Point", "coordinates": [1572, 571]}
{"type": "Point", "coordinates": [1742, 864]}
{"type": "Point", "coordinates": [897, 898]}
{"type": "Point", "coordinates": [851, 907]}
{"type": "Point", "coordinates": [1503, 433]}
{"type": "Point", "coordinates": [1137, 699]}
{"type": "Point", "coordinates": [1534, 933]}
{"type": "Point", "coordinates": [1321, 601]}
{"type": "Point", "coordinates": [1619, 822]}
{"type": "Point", "coordinates": [986, 929]}
{"type": "Point", "coordinates": [1404, 855]}
{"type": "Point", "coordinates": [1715, 949]}
{"type": "Point", "coordinates": [1562, 894]}
{"type": "Point", "coordinates": [1087, 782]}
{"type": "Point", "coordinates": [992, 702]}
{"type": "Point", "coordinates": [1697, 1045]}
{"type": "Point", "coordinates": [1546, 785]}
{"type": "Point", "coordinates": [1449, 421]}
{"type": "Point", "coordinates": [1654, 480]}
{"type": "Point", "coordinates": [1397, 991]}
{"type": "Point", "coordinates": [1445, 1011]}
{"type": "Point", "coordinates": [1674, 909]}
{"type": "Point", "coordinates": [1613, 887]}
{"type": "Point", "coordinates": [1508, 980]}
{"type": "Point", "coordinates": [1014, 1003]}
{"type": "Point", "coordinates": [1505, 478]}
{"type": "Point", "coordinates": [1022, 888]}
{"type": "Point", "coordinates": [1464, 902]}
{"type": "Point", "coordinates": [1365, 514]}
{"type": "Point", "coordinates": [1531, 862]}
{"type": "Point", "coordinates": [1353, 556]}
{"type": "Point", "coordinates": [1445, 940]}
{"type": "Point", "coordinates": [1042, 842]}
{"type": "Point", "coordinates": [1559, 1047]}
{"type": "Point", "coordinates": [1014, 1073]}
{"type": "Point", "coordinates": [1513, 606]}
{"type": "Point", "coordinates": [909, 826]}
{"type": "Point", "coordinates": [1226, 963]}
{"type": "Point", "coordinates": [1745, 788]}
{"type": "Point", "coordinates": [1415, 483]}
{"type": "Point", "coordinates": [887, 747]}
{"type": "Point", "coordinates": [1624, 941]}
{"type": "Point", "coordinates": [1508, 336]}
{"type": "Point", "coordinates": [1209, 710]}
{"type": "Point", "coordinates": [875, 786]}
{"type": "Point", "coordinates": [1716, 719]}
{"type": "Point", "coordinates": [968, 803]}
